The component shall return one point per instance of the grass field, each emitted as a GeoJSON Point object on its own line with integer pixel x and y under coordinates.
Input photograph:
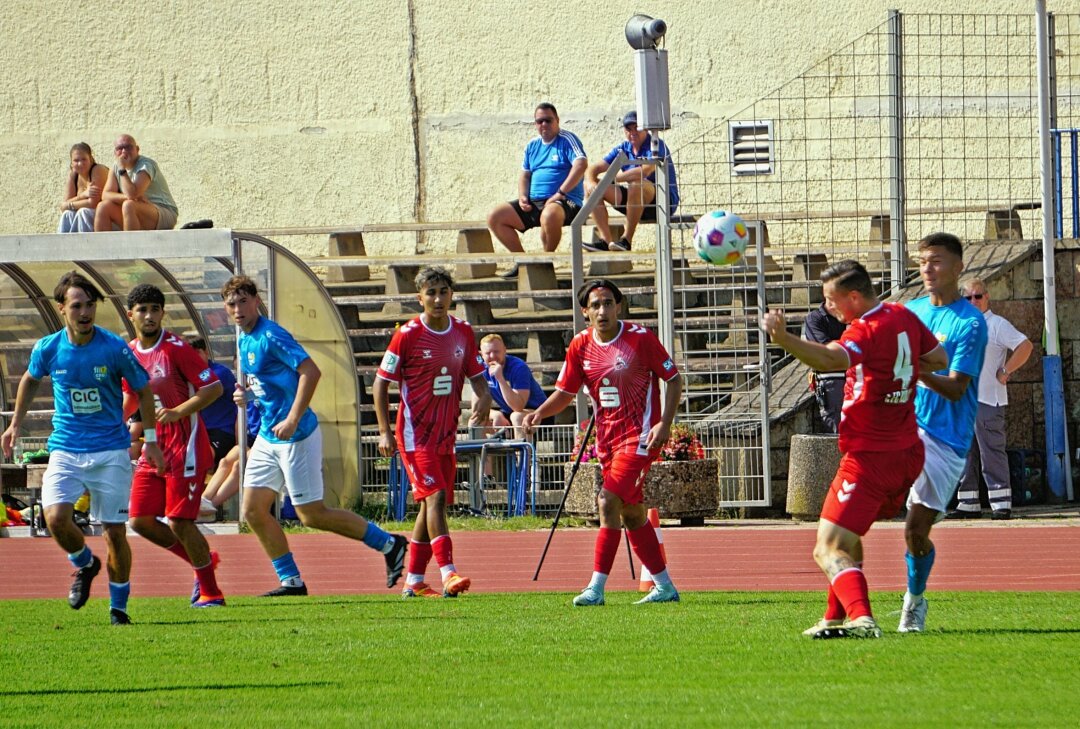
{"type": "Point", "coordinates": [1008, 659]}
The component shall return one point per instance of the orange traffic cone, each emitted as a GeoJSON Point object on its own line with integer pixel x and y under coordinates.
{"type": "Point", "coordinates": [646, 582]}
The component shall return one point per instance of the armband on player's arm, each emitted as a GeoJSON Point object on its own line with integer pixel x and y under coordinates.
{"type": "Point", "coordinates": [149, 436]}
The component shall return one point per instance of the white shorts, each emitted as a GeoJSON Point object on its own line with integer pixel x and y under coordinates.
{"type": "Point", "coordinates": [942, 468]}
{"type": "Point", "coordinates": [105, 474]}
{"type": "Point", "coordinates": [293, 466]}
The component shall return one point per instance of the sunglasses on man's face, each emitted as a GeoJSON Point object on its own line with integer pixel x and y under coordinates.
{"type": "Point", "coordinates": [545, 120]}
{"type": "Point", "coordinates": [123, 147]}
{"type": "Point", "coordinates": [976, 297]}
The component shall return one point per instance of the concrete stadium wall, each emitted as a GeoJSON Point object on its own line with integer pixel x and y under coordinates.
{"type": "Point", "coordinates": [270, 113]}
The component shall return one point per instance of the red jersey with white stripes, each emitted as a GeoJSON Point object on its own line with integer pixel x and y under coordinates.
{"type": "Point", "coordinates": [430, 368]}
{"type": "Point", "coordinates": [622, 377]}
{"type": "Point", "coordinates": [884, 346]}
{"type": "Point", "coordinates": [176, 372]}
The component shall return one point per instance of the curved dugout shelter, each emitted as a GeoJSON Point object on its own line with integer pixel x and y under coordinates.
{"type": "Point", "coordinates": [190, 266]}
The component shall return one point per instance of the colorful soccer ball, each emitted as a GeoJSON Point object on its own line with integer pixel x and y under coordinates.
{"type": "Point", "coordinates": [721, 237]}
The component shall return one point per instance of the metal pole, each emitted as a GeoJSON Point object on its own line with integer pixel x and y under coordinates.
{"type": "Point", "coordinates": [241, 413]}
{"type": "Point", "coordinates": [1073, 138]}
{"type": "Point", "coordinates": [1058, 469]}
{"type": "Point", "coordinates": [897, 201]}
{"type": "Point", "coordinates": [665, 289]}
{"type": "Point", "coordinates": [578, 266]}
{"type": "Point", "coordinates": [1058, 208]}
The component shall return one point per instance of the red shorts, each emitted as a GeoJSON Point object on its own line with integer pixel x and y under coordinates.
{"type": "Point", "coordinates": [624, 475]}
{"type": "Point", "coordinates": [430, 473]}
{"type": "Point", "coordinates": [871, 485]}
{"type": "Point", "coordinates": [176, 497]}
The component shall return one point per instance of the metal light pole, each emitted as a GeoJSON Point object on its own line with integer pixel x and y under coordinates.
{"type": "Point", "coordinates": [1058, 468]}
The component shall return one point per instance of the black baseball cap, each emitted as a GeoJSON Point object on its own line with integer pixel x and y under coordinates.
{"type": "Point", "coordinates": [630, 118]}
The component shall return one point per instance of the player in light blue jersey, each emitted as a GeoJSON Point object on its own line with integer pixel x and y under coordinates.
{"type": "Point", "coordinates": [287, 455]}
{"type": "Point", "coordinates": [945, 406]}
{"type": "Point", "coordinates": [88, 448]}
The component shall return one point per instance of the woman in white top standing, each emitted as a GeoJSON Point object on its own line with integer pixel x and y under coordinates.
{"type": "Point", "coordinates": [82, 191]}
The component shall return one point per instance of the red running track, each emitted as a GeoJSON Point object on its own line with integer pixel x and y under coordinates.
{"type": "Point", "coordinates": [1020, 555]}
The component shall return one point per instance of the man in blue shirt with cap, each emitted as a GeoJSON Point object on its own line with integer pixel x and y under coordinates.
{"type": "Point", "coordinates": [633, 192]}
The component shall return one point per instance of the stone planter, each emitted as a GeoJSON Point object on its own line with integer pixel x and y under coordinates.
{"type": "Point", "coordinates": [685, 490]}
{"type": "Point", "coordinates": [811, 468]}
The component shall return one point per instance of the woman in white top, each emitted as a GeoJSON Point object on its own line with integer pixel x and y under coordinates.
{"type": "Point", "coordinates": [82, 191]}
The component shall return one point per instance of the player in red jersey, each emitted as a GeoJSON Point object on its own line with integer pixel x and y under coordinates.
{"type": "Point", "coordinates": [883, 350]}
{"type": "Point", "coordinates": [182, 385]}
{"type": "Point", "coordinates": [430, 358]}
{"type": "Point", "coordinates": [620, 363]}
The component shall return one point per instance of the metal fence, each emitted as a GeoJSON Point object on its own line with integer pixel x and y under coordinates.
{"type": "Point", "coordinates": [924, 123]}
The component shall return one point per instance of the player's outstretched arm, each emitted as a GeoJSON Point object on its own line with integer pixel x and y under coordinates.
{"type": "Point", "coordinates": [934, 360]}
{"type": "Point", "coordinates": [660, 432]}
{"type": "Point", "coordinates": [151, 449]}
{"type": "Point", "coordinates": [829, 357]}
{"type": "Point", "coordinates": [555, 404]}
{"type": "Point", "coordinates": [380, 393]}
{"type": "Point", "coordinates": [305, 390]}
{"type": "Point", "coordinates": [23, 397]}
{"type": "Point", "coordinates": [481, 401]}
{"type": "Point", "coordinates": [203, 398]}
{"type": "Point", "coordinates": [950, 386]}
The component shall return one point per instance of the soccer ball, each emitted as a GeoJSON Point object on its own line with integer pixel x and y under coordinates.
{"type": "Point", "coordinates": [720, 237]}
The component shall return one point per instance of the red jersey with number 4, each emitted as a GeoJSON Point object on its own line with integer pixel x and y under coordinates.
{"type": "Point", "coordinates": [176, 373]}
{"type": "Point", "coordinates": [622, 379]}
{"type": "Point", "coordinates": [884, 346]}
{"type": "Point", "coordinates": [430, 368]}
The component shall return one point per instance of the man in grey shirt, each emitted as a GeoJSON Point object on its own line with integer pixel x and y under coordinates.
{"type": "Point", "coordinates": [136, 196]}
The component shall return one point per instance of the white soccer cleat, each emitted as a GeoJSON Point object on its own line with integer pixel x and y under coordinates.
{"type": "Point", "coordinates": [864, 627]}
{"type": "Point", "coordinates": [913, 614]}
{"type": "Point", "coordinates": [660, 593]}
{"type": "Point", "coordinates": [822, 625]}
{"type": "Point", "coordinates": [589, 596]}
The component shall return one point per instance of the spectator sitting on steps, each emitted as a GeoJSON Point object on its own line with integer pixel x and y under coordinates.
{"type": "Point", "coordinates": [549, 187]}
{"type": "Point", "coordinates": [85, 181]}
{"type": "Point", "coordinates": [633, 191]}
{"type": "Point", "coordinates": [136, 196]}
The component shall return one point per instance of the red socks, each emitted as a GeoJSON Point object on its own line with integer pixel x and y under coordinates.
{"type": "Point", "coordinates": [607, 545]}
{"type": "Point", "coordinates": [443, 548]}
{"type": "Point", "coordinates": [419, 556]}
{"type": "Point", "coordinates": [851, 591]}
{"type": "Point", "coordinates": [834, 609]}
{"type": "Point", "coordinates": [208, 587]}
{"type": "Point", "coordinates": [647, 547]}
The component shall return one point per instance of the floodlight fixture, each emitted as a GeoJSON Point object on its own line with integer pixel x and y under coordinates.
{"type": "Point", "coordinates": [650, 71]}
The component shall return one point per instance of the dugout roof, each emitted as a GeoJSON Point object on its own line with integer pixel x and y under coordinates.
{"type": "Point", "coordinates": [189, 266]}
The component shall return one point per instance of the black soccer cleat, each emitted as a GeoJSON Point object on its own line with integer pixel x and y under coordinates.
{"type": "Point", "coordinates": [80, 588]}
{"type": "Point", "coordinates": [286, 591]}
{"type": "Point", "coordinates": [830, 633]}
{"type": "Point", "coordinates": [118, 617]}
{"type": "Point", "coordinates": [395, 560]}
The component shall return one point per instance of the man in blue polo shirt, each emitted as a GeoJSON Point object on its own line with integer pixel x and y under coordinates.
{"type": "Point", "coordinates": [549, 187]}
{"type": "Point", "coordinates": [514, 390]}
{"type": "Point", "coordinates": [633, 191]}
{"type": "Point", "coordinates": [88, 448]}
{"type": "Point", "coordinates": [946, 403]}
